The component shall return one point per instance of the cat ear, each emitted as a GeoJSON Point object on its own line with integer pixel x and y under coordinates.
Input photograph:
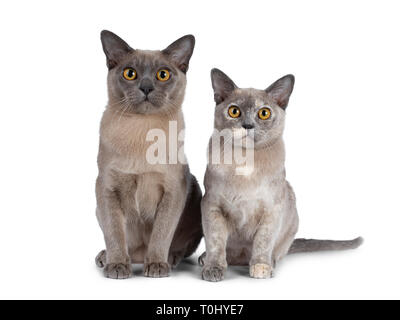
{"type": "Point", "coordinates": [223, 86]}
{"type": "Point", "coordinates": [181, 51]}
{"type": "Point", "coordinates": [114, 47]}
{"type": "Point", "coordinates": [281, 90]}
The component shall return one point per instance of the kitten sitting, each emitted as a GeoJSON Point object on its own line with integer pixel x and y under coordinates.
{"type": "Point", "coordinates": [249, 212]}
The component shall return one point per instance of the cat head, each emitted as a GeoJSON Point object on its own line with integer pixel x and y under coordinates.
{"type": "Point", "coordinates": [146, 82]}
{"type": "Point", "coordinates": [251, 112]}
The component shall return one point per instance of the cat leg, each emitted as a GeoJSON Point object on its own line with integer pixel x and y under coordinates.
{"type": "Point", "coordinates": [136, 248]}
{"type": "Point", "coordinates": [189, 232]}
{"type": "Point", "coordinates": [167, 218]}
{"type": "Point", "coordinates": [283, 245]}
{"type": "Point", "coordinates": [216, 235]}
{"type": "Point", "coordinates": [261, 264]}
{"type": "Point", "coordinates": [136, 231]}
{"type": "Point", "coordinates": [288, 232]}
{"type": "Point", "coordinates": [116, 262]}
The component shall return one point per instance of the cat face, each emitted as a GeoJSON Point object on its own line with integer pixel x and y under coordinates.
{"type": "Point", "coordinates": [146, 82]}
{"type": "Point", "coordinates": [258, 114]}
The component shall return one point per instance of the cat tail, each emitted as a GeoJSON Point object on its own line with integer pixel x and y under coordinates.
{"type": "Point", "coordinates": [313, 245]}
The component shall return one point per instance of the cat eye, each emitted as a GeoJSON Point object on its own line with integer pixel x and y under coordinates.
{"type": "Point", "coordinates": [234, 112]}
{"type": "Point", "coordinates": [130, 74]}
{"type": "Point", "coordinates": [163, 75]}
{"type": "Point", "coordinates": [264, 113]}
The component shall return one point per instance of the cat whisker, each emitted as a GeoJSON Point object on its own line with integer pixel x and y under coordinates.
{"type": "Point", "coordinates": [127, 106]}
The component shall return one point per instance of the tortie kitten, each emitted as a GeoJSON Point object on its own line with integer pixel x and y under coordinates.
{"type": "Point", "coordinates": [149, 212]}
{"type": "Point", "coordinates": [249, 215]}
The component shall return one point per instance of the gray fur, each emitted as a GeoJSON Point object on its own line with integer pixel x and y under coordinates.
{"type": "Point", "coordinates": [252, 219]}
{"type": "Point", "coordinates": [148, 213]}
{"type": "Point", "coordinates": [312, 245]}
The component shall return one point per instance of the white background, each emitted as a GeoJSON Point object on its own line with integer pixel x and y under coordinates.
{"type": "Point", "coordinates": [342, 135]}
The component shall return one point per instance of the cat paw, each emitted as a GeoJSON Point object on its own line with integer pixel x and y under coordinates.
{"type": "Point", "coordinates": [118, 271]}
{"type": "Point", "coordinates": [213, 274]}
{"type": "Point", "coordinates": [101, 259]}
{"type": "Point", "coordinates": [260, 271]}
{"type": "Point", "coordinates": [202, 259]}
{"type": "Point", "coordinates": [156, 270]}
{"type": "Point", "coordinates": [174, 260]}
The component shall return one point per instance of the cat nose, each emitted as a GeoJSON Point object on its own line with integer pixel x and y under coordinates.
{"type": "Point", "coordinates": [146, 86]}
{"type": "Point", "coordinates": [248, 126]}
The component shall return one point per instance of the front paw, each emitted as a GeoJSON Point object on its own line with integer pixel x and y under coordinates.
{"type": "Point", "coordinates": [261, 271]}
{"type": "Point", "coordinates": [213, 274]}
{"type": "Point", "coordinates": [156, 270]}
{"type": "Point", "coordinates": [118, 271]}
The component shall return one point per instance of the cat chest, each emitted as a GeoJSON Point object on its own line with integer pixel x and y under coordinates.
{"type": "Point", "coordinates": [140, 195]}
{"type": "Point", "coordinates": [247, 208]}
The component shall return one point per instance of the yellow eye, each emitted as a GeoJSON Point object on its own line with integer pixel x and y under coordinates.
{"type": "Point", "coordinates": [163, 75]}
{"type": "Point", "coordinates": [130, 74]}
{"type": "Point", "coordinates": [234, 112]}
{"type": "Point", "coordinates": [264, 113]}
